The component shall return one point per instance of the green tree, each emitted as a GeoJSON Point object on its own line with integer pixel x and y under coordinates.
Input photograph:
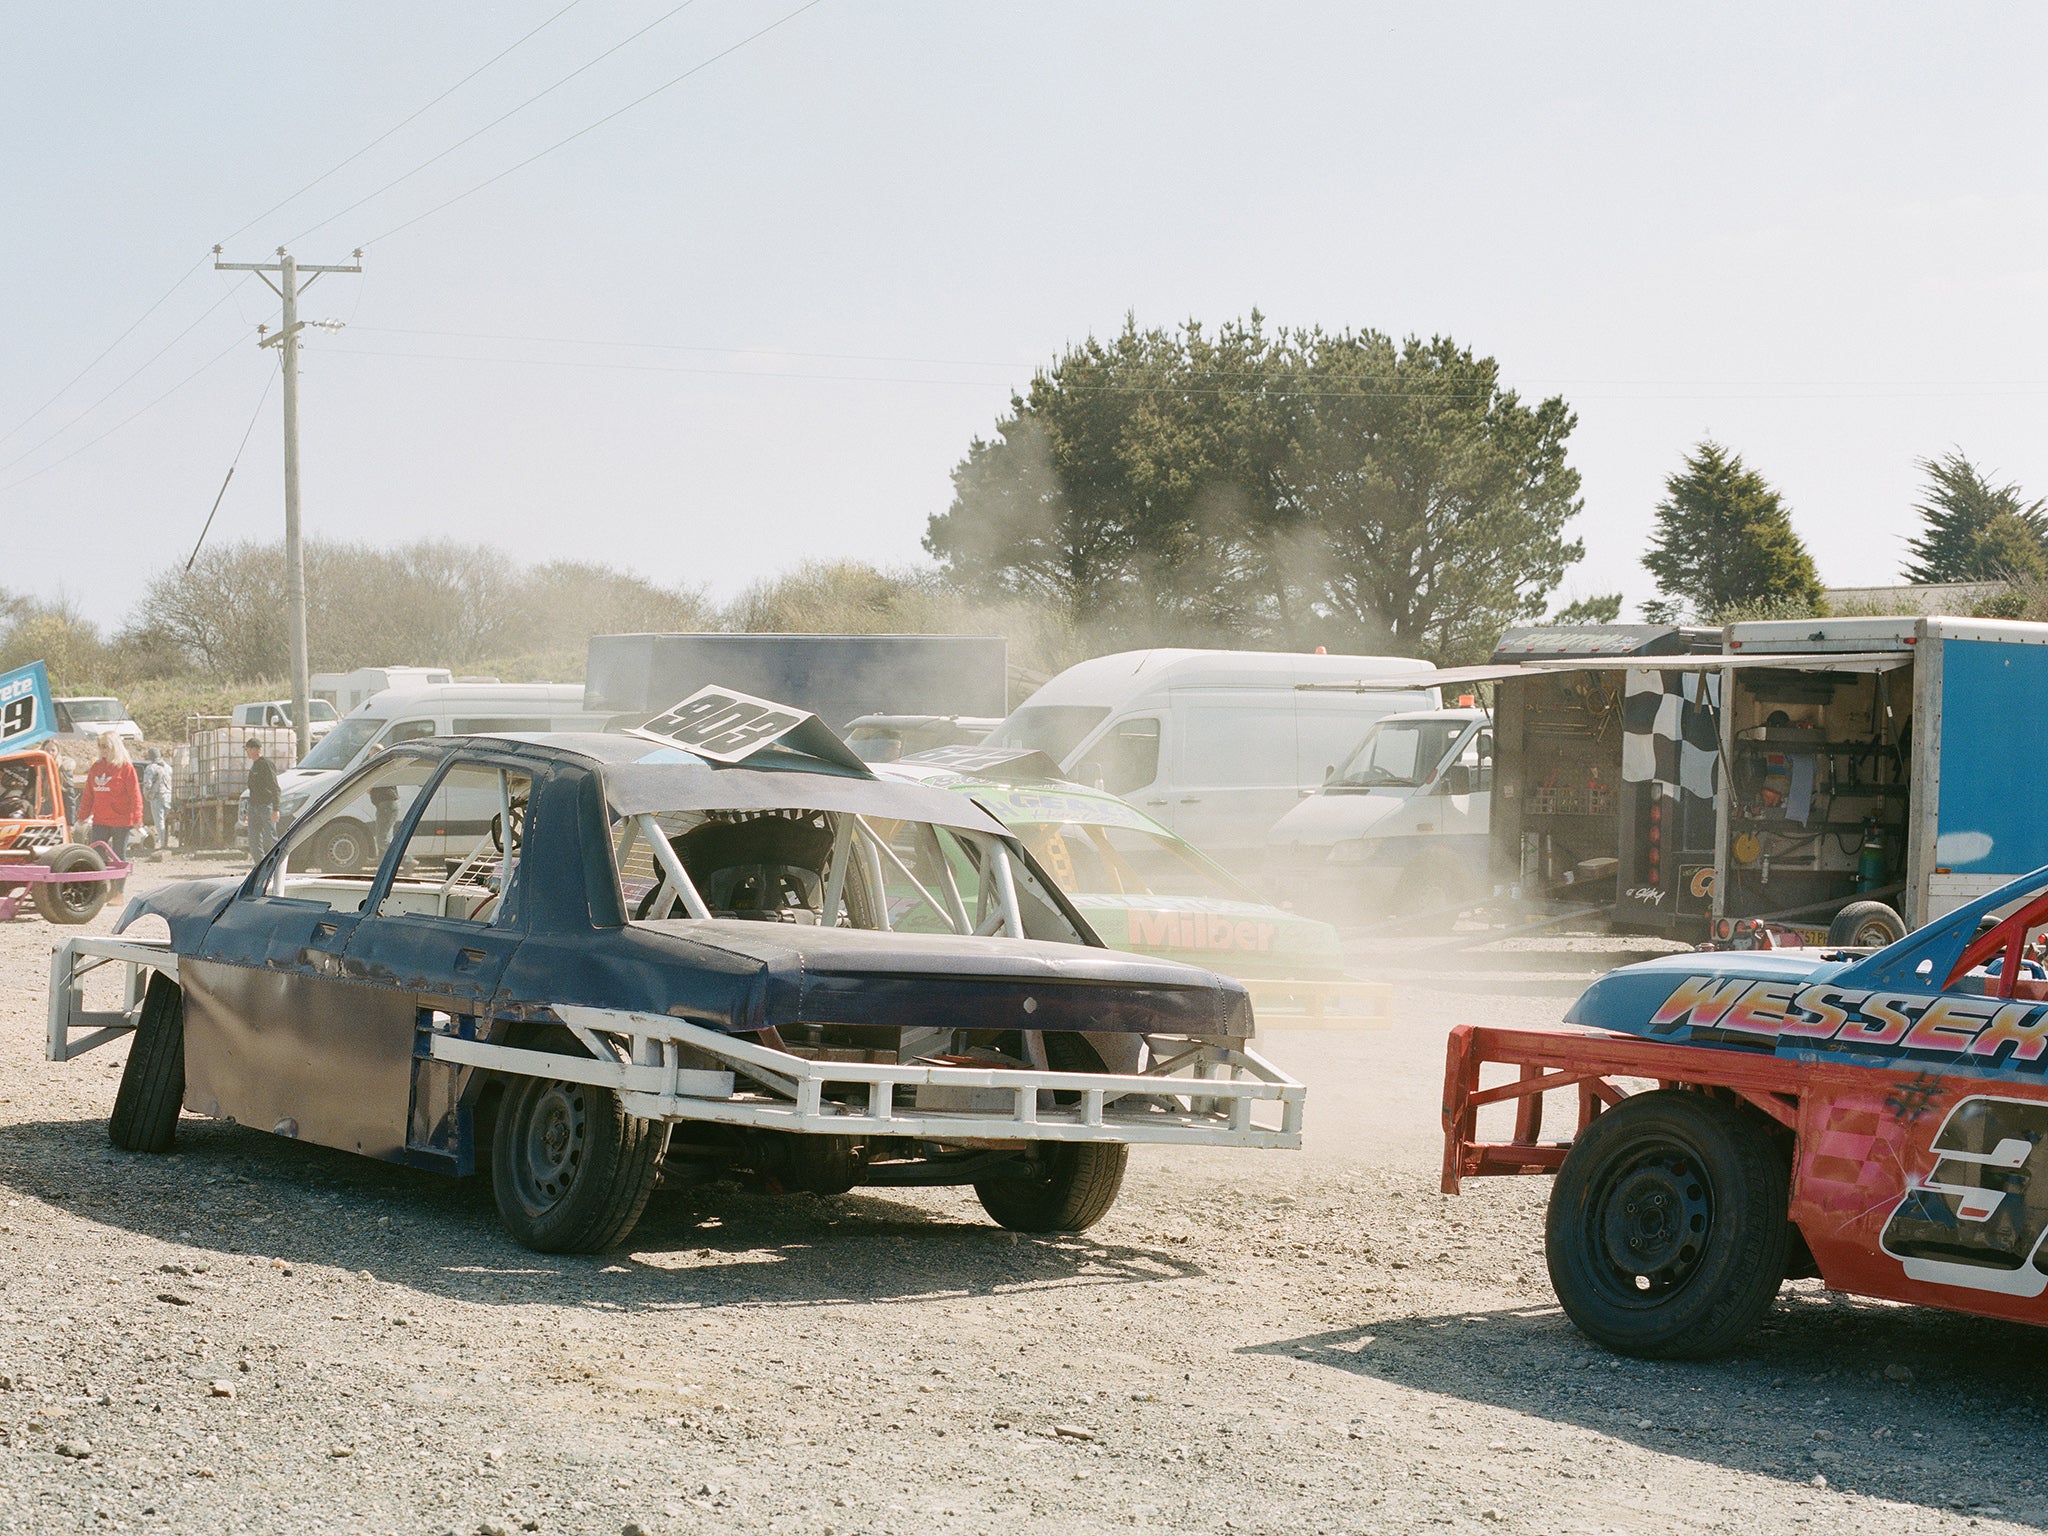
{"type": "Point", "coordinates": [1604, 608]}
{"type": "Point", "coordinates": [1972, 530]}
{"type": "Point", "coordinates": [1437, 499]}
{"type": "Point", "coordinates": [1133, 486]}
{"type": "Point", "coordinates": [1255, 488]}
{"type": "Point", "coordinates": [1724, 540]}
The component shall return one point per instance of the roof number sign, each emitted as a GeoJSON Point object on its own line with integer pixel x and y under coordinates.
{"type": "Point", "coordinates": [26, 713]}
{"type": "Point", "coordinates": [727, 726]}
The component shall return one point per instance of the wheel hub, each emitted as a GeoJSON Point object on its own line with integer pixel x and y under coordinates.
{"type": "Point", "coordinates": [1655, 1225]}
{"type": "Point", "coordinates": [553, 1144]}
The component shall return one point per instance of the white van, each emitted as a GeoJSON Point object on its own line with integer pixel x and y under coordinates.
{"type": "Point", "coordinates": [457, 709]}
{"type": "Point", "coordinates": [1219, 745]}
{"type": "Point", "coordinates": [88, 719]}
{"type": "Point", "coordinates": [1402, 823]}
{"type": "Point", "coordinates": [320, 716]}
{"type": "Point", "coordinates": [348, 691]}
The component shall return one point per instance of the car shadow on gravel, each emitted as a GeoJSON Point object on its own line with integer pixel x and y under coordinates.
{"type": "Point", "coordinates": [1896, 1402]}
{"type": "Point", "coordinates": [239, 1192]}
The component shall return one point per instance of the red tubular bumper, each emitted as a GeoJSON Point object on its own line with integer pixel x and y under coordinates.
{"type": "Point", "coordinates": [1588, 1060]}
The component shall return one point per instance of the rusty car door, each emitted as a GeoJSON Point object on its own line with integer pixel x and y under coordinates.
{"type": "Point", "coordinates": [277, 1036]}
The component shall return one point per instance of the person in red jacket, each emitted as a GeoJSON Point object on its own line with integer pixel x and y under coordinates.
{"type": "Point", "coordinates": [110, 803]}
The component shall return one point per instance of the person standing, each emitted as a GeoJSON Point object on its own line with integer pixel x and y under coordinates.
{"type": "Point", "coordinates": [262, 800]}
{"type": "Point", "coordinates": [156, 802]}
{"type": "Point", "coordinates": [384, 801]}
{"type": "Point", "coordinates": [111, 800]}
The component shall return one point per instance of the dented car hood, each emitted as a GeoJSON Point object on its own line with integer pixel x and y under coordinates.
{"type": "Point", "coordinates": [853, 976]}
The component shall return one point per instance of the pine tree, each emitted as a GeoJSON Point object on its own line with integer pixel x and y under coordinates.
{"type": "Point", "coordinates": [1725, 539]}
{"type": "Point", "coordinates": [1973, 530]}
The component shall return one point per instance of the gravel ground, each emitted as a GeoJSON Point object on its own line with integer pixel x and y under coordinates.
{"type": "Point", "coordinates": [259, 1335]}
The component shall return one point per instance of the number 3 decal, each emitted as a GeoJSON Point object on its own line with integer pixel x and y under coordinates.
{"type": "Point", "coordinates": [1978, 1219]}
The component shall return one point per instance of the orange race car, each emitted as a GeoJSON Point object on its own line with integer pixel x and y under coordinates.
{"type": "Point", "coordinates": [68, 882]}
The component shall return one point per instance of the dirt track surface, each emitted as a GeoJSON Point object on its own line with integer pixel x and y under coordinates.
{"type": "Point", "coordinates": [253, 1334]}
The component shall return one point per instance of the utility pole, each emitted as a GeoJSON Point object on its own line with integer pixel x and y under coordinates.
{"type": "Point", "coordinates": [288, 288]}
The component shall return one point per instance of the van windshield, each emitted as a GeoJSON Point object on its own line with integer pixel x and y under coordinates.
{"type": "Point", "coordinates": [97, 710]}
{"type": "Point", "coordinates": [1054, 729]}
{"type": "Point", "coordinates": [1399, 752]}
{"type": "Point", "coordinates": [338, 748]}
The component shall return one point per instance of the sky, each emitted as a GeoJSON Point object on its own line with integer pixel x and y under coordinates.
{"type": "Point", "coordinates": [760, 315]}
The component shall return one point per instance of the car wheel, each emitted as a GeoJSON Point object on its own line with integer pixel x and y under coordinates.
{"type": "Point", "coordinates": [1058, 1186]}
{"type": "Point", "coordinates": [1667, 1234]}
{"type": "Point", "coordinates": [1432, 882]}
{"type": "Point", "coordinates": [73, 901]}
{"type": "Point", "coordinates": [570, 1169]}
{"type": "Point", "coordinates": [1866, 925]}
{"type": "Point", "coordinates": [145, 1117]}
{"type": "Point", "coordinates": [344, 846]}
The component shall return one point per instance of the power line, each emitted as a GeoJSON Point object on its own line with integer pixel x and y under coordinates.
{"type": "Point", "coordinates": [406, 121]}
{"type": "Point", "coordinates": [103, 399]}
{"type": "Point", "coordinates": [580, 132]}
{"type": "Point", "coordinates": [316, 181]}
{"type": "Point", "coordinates": [667, 346]}
{"type": "Point", "coordinates": [117, 426]}
{"type": "Point", "coordinates": [1931, 387]}
{"type": "Point", "coordinates": [88, 368]}
{"type": "Point", "coordinates": [233, 464]}
{"type": "Point", "coordinates": [487, 127]}
{"type": "Point", "coordinates": [1422, 393]}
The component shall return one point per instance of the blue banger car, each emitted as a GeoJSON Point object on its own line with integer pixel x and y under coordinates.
{"type": "Point", "coordinates": [583, 958]}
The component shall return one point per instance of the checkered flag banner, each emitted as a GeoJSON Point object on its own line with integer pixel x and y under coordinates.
{"type": "Point", "coordinates": [1670, 724]}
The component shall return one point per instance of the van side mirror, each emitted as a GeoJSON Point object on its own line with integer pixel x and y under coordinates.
{"type": "Point", "coordinates": [1457, 780]}
{"type": "Point", "coordinates": [1329, 772]}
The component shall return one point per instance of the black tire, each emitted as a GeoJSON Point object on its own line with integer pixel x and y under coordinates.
{"type": "Point", "coordinates": [1432, 882]}
{"type": "Point", "coordinates": [570, 1170]}
{"type": "Point", "coordinates": [145, 1117]}
{"type": "Point", "coordinates": [1058, 1186]}
{"type": "Point", "coordinates": [74, 901]}
{"type": "Point", "coordinates": [344, 846]}
{"type": "Point", "coordinates": [1866, 924]}
{"type": "Point", "coordinates": [1667, 1235]}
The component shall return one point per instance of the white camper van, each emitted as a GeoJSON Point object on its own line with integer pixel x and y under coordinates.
{"type": "Point", "coordinates": [347, 691]}
{"type": "Point", "coordinates": [457, 709]}
{"type": "Point", "coordinates": [1219, 745]}
{"type": "Point", "coordinates": [1402, 823]}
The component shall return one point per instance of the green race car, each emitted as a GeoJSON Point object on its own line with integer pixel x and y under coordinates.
{"type": "Point", "coordinates": [1140, 887]}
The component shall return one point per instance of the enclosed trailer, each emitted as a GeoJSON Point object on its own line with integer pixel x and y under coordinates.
{"type": "Point", "coordinates": [1565, 821]}
{"type": "Point", "coordinates": [836, 677]}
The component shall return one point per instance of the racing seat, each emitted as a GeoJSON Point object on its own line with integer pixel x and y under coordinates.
{"type": "Point", "coordinates": [767, 869]}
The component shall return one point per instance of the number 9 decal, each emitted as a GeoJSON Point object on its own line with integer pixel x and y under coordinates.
{"type": "Point", "coordinates": [1978, 1220]}
{"type": "Point", "coordinates": [17, 717]}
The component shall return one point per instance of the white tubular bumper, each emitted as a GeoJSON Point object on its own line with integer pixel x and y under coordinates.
{"type": "Point", "coordinates": [73, 961]}
{"type": "Point", "coordinates": [1192, 1095]}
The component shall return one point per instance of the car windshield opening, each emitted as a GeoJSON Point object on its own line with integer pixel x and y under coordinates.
{"type": "Point", "coordinates": [337, 749]}
{"type": "Point", "coordinates": [1054, 729]}
{"type": "Point", "coordinates": [814, 868]}
{"type": "Point", "coordinates": [1398, 752]}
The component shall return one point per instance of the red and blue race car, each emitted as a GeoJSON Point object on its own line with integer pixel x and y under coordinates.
{"type": "Point", "coordinates": [1878, 1120]}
